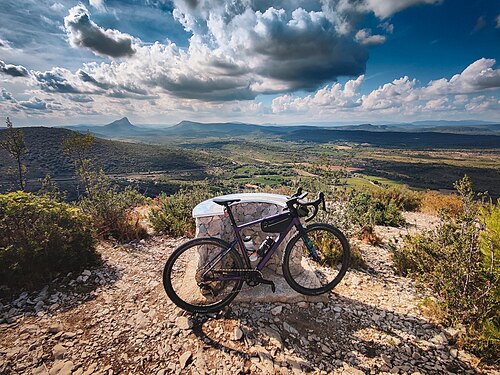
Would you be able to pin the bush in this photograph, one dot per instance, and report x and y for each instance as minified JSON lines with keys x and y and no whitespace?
{"x":41,"y":237}
{"x":404,"y":198}
{"x":358,"y":209}
{"x":459,"y":262}
{"x":435,"y":203}
{"x":112,"y":211}
{"x":173,"y":214}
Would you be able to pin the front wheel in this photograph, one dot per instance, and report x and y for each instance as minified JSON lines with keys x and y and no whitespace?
{"x":316,"y":261}
{"x":203,"y":275}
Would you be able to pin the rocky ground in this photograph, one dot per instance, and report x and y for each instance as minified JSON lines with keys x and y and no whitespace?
{"x":117,"y":319}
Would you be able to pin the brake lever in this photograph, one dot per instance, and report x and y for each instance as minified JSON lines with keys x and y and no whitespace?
{"x":322,"y":197}
{"x":297,"y":193}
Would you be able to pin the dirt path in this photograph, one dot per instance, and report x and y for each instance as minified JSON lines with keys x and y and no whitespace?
{"x":117,"y":319}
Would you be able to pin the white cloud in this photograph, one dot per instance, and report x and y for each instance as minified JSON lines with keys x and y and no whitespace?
{"x":402,"y":96}
{"x":365,"y":37}
{"x":386,"y":8}
{"x":5,"y":44}
{"x":83,"y":32}
{"x":388,"y":27}
{"x":497,"y":22}
{"x":58,"y":7}
{"x":13,"y":70}
{"x":478,"y":76}
{"x":98,"y":4}
{"x":336,"y":97}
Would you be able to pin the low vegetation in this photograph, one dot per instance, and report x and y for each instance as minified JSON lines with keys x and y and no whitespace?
{"x":42,"y":237}
{"x":111,"y":209}
{"x":459,"y":261}
{"x":401,"y":196}
{"x":435,"y":203}
{"x":12,"y":142}
{"x":172,"y":214}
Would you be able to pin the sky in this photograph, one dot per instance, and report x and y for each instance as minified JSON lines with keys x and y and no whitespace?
{"x":256,"y":61}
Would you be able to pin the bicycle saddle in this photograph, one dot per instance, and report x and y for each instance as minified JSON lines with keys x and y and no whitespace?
{"x":225,"y":202}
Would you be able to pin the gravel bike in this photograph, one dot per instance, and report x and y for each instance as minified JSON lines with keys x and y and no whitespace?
{"x":205,"y":274}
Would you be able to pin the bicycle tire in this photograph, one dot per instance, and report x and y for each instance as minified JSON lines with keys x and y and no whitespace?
{"x":188,"y":283}
{"x":334,"y":253}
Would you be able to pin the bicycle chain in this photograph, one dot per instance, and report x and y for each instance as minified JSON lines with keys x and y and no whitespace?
{"x":238,"y":270}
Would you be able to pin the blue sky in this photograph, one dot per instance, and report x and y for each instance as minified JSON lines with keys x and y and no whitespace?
{"x":156,"y":61}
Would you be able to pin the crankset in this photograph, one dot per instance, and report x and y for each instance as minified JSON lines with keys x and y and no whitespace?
{"x":254,"y":277}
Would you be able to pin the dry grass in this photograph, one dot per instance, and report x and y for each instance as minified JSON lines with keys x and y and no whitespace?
{"x":434,"y":203}
{"x":368,"y":235}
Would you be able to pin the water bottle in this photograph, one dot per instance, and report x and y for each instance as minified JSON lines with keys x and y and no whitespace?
{"x":265,"y":245}
{"x":250,"y":248}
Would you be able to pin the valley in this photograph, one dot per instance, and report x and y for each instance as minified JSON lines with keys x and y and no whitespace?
{"x":235,"y":157}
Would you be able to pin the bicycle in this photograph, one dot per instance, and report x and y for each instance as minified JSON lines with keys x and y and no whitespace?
{"x":205,"y":274}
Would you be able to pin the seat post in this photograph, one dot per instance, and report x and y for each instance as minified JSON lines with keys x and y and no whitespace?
{"x":231,"y":217}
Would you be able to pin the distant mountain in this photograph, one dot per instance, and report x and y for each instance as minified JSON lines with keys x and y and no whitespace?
{"x":121,"y":125}
{"x":121,"y":128}
{"x":400,"y":135}
{"x":367,"y":127}
{"x":451,"y":123}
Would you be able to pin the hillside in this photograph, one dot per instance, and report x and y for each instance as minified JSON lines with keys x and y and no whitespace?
{"x":46,"y":155}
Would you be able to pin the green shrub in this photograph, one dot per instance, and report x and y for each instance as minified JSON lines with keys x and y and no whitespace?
{"x":357,"y":209}
{"x":173,"y":214}
{"x":459,"y":261}
{"x":404,"y":198}
{"x":41,"y":237}
{"x":112,"y":211}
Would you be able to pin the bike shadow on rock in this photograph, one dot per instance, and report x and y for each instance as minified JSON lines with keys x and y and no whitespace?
{"x":341,"y":335}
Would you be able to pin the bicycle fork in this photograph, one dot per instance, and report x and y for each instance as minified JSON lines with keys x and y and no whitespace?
{"x":310,"y":247}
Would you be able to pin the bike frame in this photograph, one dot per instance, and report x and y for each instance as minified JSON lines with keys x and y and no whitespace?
{"x":239,"y":240}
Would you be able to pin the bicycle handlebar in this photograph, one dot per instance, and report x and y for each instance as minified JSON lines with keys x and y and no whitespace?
{"x":298,"y":196}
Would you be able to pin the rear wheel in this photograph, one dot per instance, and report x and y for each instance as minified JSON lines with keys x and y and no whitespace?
{"x":191,"y":287}
{"x":315,"y":263}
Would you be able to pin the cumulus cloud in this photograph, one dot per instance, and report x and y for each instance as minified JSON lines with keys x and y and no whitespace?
{"x":83,"y":32}
{"x":386,"y":8}
{"x":56,"y":80}
{"x":13,"y":70}
{"x":337,"y":97}
{"x":391,"y":94}
{"x":364,"y":36}
{"x":403,"y":95}
{"x":497,"y":22}
{"x":478,"y":76}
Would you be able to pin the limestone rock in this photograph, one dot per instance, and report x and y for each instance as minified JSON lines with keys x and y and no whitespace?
{"x":184,"y":358}
{"x":58,"y":351}
{"x":237,"y":334}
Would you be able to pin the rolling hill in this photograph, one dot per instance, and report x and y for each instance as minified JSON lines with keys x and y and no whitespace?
{"x":425,"y":135}
{"x":46,"y":155}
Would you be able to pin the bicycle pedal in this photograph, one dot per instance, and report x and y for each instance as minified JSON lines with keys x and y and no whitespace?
{"x":269,"y":282}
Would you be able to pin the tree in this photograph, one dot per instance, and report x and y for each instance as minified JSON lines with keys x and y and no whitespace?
{"x":78,"y":147}
{"x":13,"y":143}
